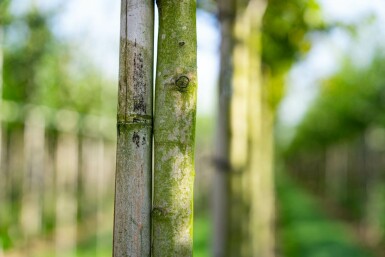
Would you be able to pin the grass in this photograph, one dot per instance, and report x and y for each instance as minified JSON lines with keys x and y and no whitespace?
{"x":101,"y":246}
{"x":306,"y":231}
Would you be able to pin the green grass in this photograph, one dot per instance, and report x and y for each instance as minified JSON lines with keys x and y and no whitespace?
{"x":202,"y":235}
{"x":90,"y":248}
{"x":306,"y":231}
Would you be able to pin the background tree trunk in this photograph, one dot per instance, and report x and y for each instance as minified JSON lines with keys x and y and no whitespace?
{"x":66,"y":191}
{"x":221,"y":192}
{"x":174,"y":129}
{"x":3,"y":193}
{"x":239,"y":202}
{"x":261,"y":154}
{"x":132,"y":222}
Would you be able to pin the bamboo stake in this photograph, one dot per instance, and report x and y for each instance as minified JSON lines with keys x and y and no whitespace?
{"x":132,"y":229}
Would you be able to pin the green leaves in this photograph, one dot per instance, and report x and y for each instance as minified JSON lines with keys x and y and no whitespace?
{"x":349,"y":102}
{"x":285,"y":25}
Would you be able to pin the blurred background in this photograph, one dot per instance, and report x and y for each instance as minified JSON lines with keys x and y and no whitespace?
{"x":58,"y":107}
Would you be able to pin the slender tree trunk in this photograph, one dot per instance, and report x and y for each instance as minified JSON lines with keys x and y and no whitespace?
{"x":254,"y":120}
{"x":239,"y":140}
{"x":2,"y":165}
{"x":260,"y":123}
{"x":221,"y":195}
{"x":174,"y":129}
{"x":132,"y":224}
{"x":66,"y":191}
{"x":34,"y":138}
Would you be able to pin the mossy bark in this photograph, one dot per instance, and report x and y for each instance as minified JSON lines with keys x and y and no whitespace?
{"x":174,"y":129}
{"x":132,"y":221}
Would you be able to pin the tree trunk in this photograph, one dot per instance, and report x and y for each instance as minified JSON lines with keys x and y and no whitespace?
{"x":174,"y":129}
{"x":2,"y":166}
{"x":34,"y":144}
{"x":260,"y":123}
{"x":66,"y":191}
{"x":239,"y":152}
{"x":132,"y":224}
{"x":221,"y":192}
{"x":254,"y":120}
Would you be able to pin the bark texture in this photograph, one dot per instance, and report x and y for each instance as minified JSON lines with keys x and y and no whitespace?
{"x":132,"y":221}
{"x":174,"y":129}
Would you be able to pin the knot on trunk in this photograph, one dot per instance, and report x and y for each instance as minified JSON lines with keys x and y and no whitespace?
{"x":182,"y":82}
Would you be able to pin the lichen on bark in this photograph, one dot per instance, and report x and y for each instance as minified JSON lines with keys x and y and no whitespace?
{"x":132,"y":219}
{"x":174,"y":129}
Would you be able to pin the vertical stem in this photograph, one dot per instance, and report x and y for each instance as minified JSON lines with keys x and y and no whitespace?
{"x":226,"y":10}
{"x":132,"y":225}
{"x":1,"y":95}
{"x":66,"y":201}
{"x":239,"y":141}
{"x":3,"y":174}
{"x":34,"y":137}
{"x":174,"y":129}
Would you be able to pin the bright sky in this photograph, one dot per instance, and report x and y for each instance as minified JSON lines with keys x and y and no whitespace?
{"x":97,"y":31}
{"x":93,"y":27}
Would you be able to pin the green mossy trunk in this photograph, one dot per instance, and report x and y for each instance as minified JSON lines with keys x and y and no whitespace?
{"x":132,"y":221}
{"x":174,"y":129}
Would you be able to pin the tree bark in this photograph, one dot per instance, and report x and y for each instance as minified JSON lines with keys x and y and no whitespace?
{"x":132,"y":223}
{"x":239,"y":153}
{"x":260,"y":133}
{"x":221,"y":191}
{"x":2,"y":168}
{"x":174,"y":129}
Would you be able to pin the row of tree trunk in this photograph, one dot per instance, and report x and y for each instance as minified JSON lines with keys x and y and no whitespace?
{"x":349,"y":177}
{"x":54,"y":182}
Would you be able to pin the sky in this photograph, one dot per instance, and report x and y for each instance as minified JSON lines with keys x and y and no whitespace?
{"x":97,"y":32}
{"x":92,"y":27}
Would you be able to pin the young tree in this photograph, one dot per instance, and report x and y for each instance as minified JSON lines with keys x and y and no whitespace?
{"x":174,"y":129}
{"x":1,"y":83}
{"x":260,"y":134}
{"x":2,"y":195}
{"x":226,"y":13}
{"x":132,"y":222}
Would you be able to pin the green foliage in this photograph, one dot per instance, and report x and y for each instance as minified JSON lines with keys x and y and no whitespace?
{"x":285,"y":26}
{"x":5,"y":16}
{"x":40,"y":69}
{"x":23,"y":60}
{"x":349,"y":102}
